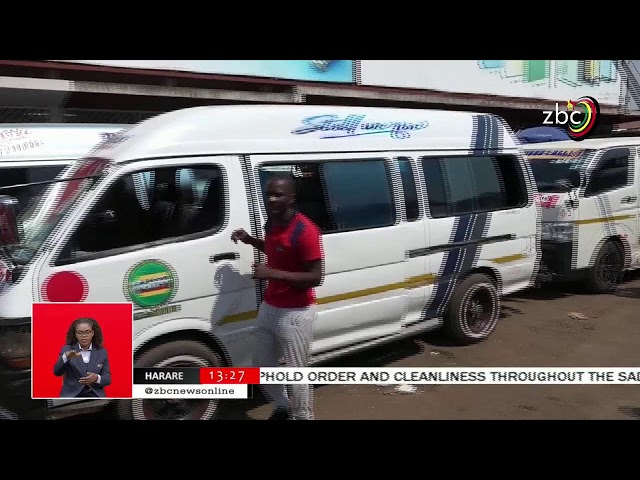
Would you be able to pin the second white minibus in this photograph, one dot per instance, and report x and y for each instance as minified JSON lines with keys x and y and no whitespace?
{"x":36,"y":153}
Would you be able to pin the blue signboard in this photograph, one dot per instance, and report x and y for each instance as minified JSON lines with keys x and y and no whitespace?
{"x":334,"y":71}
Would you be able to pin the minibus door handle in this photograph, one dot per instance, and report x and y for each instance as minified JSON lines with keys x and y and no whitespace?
{"x":224,"y":256}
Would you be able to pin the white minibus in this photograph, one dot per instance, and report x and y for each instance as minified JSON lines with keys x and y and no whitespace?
{"x":428,"y":218}
{"x":588,"y":192}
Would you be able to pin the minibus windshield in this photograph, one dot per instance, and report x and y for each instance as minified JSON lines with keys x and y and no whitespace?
{"x":45,"y":210}
{"x":557,"y":170}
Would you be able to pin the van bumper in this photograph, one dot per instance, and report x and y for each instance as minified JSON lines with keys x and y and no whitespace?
{"x":15,"y":382}
{"x":556,"y":262}
{"x":15,"y":396}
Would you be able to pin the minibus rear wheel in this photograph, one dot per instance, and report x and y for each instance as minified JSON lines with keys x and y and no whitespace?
{"x":474,"y":310}
{"x":178,"y":354}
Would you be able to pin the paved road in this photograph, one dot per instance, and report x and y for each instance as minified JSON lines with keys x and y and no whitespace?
{"x":535,"y":331}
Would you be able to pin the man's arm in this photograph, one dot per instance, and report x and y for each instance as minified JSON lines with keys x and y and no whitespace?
{"x":244,"y":237}
{"x":256,"y":243}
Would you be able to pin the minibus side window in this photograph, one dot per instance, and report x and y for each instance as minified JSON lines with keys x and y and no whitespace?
{"x":342,"y":195}
{"x":360,"y":194}
{"x":612,"y":173}
{"x":409,"y":187}
{"x":152,"y":206}
{"x":311,"y":197}
{"x":464,"y":185}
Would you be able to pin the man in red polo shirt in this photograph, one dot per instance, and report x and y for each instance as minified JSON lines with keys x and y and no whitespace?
{"x":286,"y":318}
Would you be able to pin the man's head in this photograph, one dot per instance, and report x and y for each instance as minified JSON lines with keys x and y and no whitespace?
{"x":281,"y":196}
{"x":85,"y":331}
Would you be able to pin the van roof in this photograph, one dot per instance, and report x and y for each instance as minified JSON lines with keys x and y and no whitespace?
{"x":281,"y":129}
{"x":589,"y":143}
{"x":25,"y":142}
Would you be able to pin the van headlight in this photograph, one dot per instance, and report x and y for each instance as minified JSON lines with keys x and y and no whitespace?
{"x":557,"y":231}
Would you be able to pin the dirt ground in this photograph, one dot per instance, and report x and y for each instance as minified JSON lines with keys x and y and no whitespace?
{"x":535,"y":331}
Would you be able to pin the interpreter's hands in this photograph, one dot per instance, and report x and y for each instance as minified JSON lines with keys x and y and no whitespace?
{"x":71,"y":353}
{"x":89,"y":379}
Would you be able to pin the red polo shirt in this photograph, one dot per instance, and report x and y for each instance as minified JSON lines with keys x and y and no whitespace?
{"x":288,"y":248}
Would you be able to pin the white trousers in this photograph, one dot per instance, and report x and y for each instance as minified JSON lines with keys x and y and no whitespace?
{"x":286,"y":333}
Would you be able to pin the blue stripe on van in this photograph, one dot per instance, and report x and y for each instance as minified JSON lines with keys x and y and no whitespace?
{"x":458,"y":261}
{"x":486,"y":135}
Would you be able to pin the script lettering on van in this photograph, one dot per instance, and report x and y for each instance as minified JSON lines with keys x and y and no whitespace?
{"x":335,"y":126}
{"x":8,"y":135}
{"x":556,"y":154}
{"x":111,"y":140}
{"x":106,"y":135}
{"x":14,"y":140}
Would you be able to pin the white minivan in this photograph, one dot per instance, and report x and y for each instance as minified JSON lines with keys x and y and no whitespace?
{"x":588,"y":192}
{"x":31,"y":154}
{"x":428,"y":218}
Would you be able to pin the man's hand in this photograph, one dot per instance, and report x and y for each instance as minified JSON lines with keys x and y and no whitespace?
{"x":262,"y":272}
{"x":71,"y":353}
{"x":241,"y":235}
{"x":90,"y":379}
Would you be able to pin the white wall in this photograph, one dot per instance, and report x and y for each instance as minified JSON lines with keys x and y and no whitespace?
{"x":558,"y":80}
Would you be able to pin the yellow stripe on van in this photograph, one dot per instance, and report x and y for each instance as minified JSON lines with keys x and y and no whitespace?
{"x":412,"y":282}
{"x":508,"y":258}
{"x":602,"y":220}
{"x":153,"y":293}
{"x":151,"y":276}
{"x":239,"y":317}
{"x":420,"y":281}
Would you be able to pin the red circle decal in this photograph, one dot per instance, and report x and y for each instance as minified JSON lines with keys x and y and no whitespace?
{"x":65,"y":287}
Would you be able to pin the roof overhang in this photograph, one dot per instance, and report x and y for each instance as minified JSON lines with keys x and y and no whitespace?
{"x":45,"y":92}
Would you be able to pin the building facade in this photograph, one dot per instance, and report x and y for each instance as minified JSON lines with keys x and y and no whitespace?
{"x":128,"y":91}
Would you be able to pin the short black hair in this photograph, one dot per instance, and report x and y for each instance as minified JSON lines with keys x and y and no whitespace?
{"x":287,"y":178}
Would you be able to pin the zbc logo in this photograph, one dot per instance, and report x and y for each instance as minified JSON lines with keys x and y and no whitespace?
{"x":579,"y":119}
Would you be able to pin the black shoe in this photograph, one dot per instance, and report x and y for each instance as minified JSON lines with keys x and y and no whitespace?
{"x":280,"y":414}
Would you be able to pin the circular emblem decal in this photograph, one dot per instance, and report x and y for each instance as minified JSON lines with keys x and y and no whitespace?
{"x":151,"y":283}
{"x":65,"y":287}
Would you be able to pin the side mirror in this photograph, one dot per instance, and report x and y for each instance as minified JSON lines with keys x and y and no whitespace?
{"x":9,"y":231}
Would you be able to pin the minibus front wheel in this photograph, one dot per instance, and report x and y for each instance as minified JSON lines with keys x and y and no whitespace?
{"x":606,"y":273}
{"x":474,"y":309}
{"x":177,"y":354}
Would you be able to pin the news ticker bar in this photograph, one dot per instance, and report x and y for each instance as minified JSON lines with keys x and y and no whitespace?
{"x":234,"y":377}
